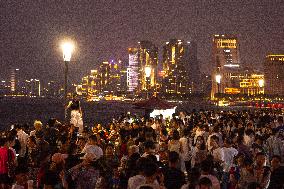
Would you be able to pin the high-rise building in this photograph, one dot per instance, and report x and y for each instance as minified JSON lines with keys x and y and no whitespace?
{"x":105,"y":76}
{"x":274,"y":74}
{"x":114,"y":84}
{"x":142,"y":67}
{"x":132,"y":70}
{"x":33,"y":88}
{"x":94,"y":86}
{"x":176,"y":58}
{"x":226,"y":64}
{"x":148,"y":62}
{"x":14,"y":80}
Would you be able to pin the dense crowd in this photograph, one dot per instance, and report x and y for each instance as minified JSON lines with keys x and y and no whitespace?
{"x":194,"y":150}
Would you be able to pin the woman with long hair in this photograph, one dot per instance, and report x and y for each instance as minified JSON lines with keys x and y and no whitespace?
{"x":199,"y":151}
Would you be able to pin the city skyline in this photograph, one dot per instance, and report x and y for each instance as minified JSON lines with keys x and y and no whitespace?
{"x":31,"y":32}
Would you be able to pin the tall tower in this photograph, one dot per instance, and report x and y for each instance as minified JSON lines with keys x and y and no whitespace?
{"x":148,"y":62}
{"x":14,"y":80}
{"x":142,"y":67}
{"x":132,"y":70}
{"x":226,"y":63}
{"x":105,"y":76}
{"x":274,"y":74}
{"x":175,"y":60}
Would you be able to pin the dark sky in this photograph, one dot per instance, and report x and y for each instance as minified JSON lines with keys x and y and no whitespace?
{"x":31,"y":30}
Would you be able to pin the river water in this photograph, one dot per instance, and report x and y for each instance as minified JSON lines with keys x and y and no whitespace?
{"x":26,"y":110}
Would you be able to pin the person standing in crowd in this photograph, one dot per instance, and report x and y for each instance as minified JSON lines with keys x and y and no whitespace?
{"x":22,"y":137}
{"x":229,"y":153}
{"x":277,"y":172}
{"x":186,"y":143}
{"x":92,"y":147}
{"x":5,"y":153}
{"x":206,"y":170}
{"x":199,"y":152}
{"x":174,"y":178}
{"x":76,"y":113}
{"x":37,"y":126}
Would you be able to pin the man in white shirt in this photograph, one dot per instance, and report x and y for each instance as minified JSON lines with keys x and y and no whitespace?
{"x":22,"y":137}
{"x":228,"y":160}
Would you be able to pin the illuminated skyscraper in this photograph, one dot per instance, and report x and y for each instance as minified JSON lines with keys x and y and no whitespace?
{"x":105,"y":76}
{"x":142,"y":67}
{"x":226,"y":63}
{"x":148,"y":62}
{"x":175,"y":60}
{"x":132,"y":70}
{"x":274,"y":74}
{"x":14,"y":80}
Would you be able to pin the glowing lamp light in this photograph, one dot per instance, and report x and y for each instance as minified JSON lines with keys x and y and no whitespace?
{"x":148,"y":71}
{"x":261,"y":83}
{"x":67,"y":48}
{"x":218,"y":78}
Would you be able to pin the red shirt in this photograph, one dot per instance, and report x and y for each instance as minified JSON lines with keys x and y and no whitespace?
{"x":4,"y":159}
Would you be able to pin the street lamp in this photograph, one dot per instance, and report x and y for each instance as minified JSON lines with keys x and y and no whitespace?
{"x":218,"y":81}
{"x":148,"y":71}
{"x":261,"y":83}
{"x":67,"y":48}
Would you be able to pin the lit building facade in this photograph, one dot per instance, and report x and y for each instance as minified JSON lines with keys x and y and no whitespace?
{"x":226,"y":63}
{"x":148,"y":62}
{"x":14,"y":80}
{"x":105,"y":76}
{"x":114,"y":85}
{"x":252,"y":85}
{"x":274,"y":74}
{"x":33,"y":88}
{"x":175,"y":76}
{"x":133,"y":70}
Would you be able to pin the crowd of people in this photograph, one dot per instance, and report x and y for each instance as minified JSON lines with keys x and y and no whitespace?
{"x":192,"y":150}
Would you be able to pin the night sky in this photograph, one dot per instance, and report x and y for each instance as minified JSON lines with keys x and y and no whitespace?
{"x":31,"y":30}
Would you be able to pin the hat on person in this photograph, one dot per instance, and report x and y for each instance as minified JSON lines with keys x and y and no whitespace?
{"x":90,"y":157}
{"x":59,"y":158}
{"x":92,"y":152}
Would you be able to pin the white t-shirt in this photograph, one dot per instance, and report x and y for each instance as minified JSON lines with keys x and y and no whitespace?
{"x":228,"y":158}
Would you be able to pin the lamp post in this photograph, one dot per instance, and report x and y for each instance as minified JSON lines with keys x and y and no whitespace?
{"x":148,"y":71}
{"x":67,"y":48}
{"x":218,"y":81}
